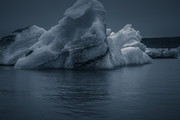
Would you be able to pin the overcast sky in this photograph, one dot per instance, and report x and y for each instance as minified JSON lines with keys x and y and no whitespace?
{"x":153,"y":18}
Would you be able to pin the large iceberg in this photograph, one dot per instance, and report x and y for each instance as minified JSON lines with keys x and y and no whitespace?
{"x":78,"y":39}
{"x":81,"y":40}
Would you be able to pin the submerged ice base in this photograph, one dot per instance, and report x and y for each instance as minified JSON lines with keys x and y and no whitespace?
{"x":81,"y":40}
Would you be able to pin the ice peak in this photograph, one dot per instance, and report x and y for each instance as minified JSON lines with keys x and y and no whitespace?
{"x":82,"y":6}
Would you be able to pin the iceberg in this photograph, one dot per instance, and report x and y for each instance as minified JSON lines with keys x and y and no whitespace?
{"x":124,"y":49}
{"x":162,"y":52}
{"x":79,"y":41}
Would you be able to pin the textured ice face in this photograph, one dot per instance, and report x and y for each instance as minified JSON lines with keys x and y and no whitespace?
{"x":16,"y":45}
{"x":78,"y":39}
{"x":135,"y":56}
{"x":127,"y":35}
{"x":125,"y":48}
{"x":82,"y":6}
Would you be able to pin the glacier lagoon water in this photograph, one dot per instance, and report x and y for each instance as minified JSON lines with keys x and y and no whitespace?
{"x":149,"y":92}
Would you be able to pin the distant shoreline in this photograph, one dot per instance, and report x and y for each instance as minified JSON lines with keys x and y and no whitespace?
{"x":162,"y":42}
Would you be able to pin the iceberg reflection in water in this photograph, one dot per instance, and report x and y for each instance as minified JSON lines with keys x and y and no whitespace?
{"x":139,"y":92}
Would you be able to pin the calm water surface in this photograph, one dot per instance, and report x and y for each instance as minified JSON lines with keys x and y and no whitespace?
{"x":149,"y":92}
